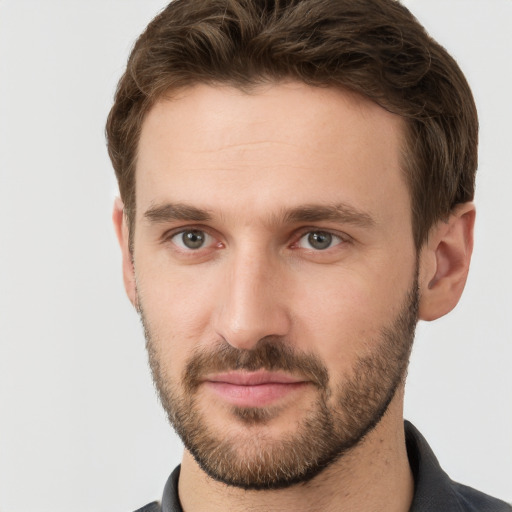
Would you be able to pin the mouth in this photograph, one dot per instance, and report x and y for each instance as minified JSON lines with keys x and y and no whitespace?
{"x":253,"y":389}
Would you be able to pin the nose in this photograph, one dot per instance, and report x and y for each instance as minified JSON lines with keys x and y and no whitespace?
{"x":252,"y":302}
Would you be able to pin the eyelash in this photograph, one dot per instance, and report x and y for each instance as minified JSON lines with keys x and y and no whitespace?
{"x":332,"y":238}
{"x":336,"y":238}
{"x":171,"y":236}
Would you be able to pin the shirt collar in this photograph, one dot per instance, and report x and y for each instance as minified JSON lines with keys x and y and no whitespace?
{"x":433,"y":489}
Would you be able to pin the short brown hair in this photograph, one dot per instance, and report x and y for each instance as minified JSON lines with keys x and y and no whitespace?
{"x":376,"y":48}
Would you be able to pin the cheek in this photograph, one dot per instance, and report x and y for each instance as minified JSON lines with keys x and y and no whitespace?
{"x":177,"y":307}
{"x":333,"y":324}
{"x":340,"y":316}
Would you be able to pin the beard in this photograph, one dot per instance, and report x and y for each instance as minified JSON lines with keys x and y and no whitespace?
{"x":339,"y":419}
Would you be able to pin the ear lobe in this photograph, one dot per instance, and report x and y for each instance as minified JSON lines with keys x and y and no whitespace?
{"x":121,"y":227}
{"x":444,"y":262}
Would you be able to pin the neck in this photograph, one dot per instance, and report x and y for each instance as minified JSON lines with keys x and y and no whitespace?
{"x":375,"y":475}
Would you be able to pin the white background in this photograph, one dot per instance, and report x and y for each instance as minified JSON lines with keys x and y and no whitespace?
{"x":80,"y":426}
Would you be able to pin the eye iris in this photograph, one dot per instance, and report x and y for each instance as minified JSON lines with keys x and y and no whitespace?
{"x":320,"y":239}
{"x":193,"y":239}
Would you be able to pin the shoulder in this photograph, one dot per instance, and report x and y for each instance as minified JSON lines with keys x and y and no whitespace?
{"x":471,"y":500}
{"x":434,"y":489}
{"x":151,"y":507}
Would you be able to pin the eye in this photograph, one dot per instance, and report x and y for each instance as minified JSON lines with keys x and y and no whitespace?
{"x":318,"y":240}
{"x":192,"y":239}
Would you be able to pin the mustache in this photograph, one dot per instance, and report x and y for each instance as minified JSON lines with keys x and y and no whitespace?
{"x":270,"y":353}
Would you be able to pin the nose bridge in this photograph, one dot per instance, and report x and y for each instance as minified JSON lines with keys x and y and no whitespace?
{"x":251,"y":307}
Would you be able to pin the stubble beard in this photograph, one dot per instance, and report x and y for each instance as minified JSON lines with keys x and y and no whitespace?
{"x":338,"y":421}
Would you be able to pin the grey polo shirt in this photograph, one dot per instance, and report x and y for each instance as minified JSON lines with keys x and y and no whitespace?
{"x":433,"y":489}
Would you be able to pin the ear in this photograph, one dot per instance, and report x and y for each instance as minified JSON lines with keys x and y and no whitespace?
{"x":122,"y":232}
{"x":444,"y":262}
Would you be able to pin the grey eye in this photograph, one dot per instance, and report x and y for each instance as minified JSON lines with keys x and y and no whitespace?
{"x":318,"y":240}
{"x":191,"y":239}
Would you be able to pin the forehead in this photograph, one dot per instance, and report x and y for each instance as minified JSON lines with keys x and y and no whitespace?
{"x":280,"y":145}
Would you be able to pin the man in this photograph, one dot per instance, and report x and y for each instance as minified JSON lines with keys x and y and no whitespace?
{"x":296,"y":186}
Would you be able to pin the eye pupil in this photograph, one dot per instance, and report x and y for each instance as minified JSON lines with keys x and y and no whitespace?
{"x":320,"y":239}
{"x":193,"y":239}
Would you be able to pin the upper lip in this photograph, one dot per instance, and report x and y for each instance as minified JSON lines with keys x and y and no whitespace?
{"x":241,"y":378}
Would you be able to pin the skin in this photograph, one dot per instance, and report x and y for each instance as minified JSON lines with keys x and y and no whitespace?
{"x":245,"y":159}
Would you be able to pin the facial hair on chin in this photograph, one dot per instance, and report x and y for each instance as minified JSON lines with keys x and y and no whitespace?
{"x":337,"y":421}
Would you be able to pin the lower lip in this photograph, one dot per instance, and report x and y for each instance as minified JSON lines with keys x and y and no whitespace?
{"x":256,"y":395}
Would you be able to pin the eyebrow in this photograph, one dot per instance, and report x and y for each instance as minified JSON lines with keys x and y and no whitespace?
{"x":341,"y":213}
{"x":176,"y":211}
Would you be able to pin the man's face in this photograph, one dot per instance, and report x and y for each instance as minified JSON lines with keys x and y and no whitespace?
{"x":275,"y":274}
